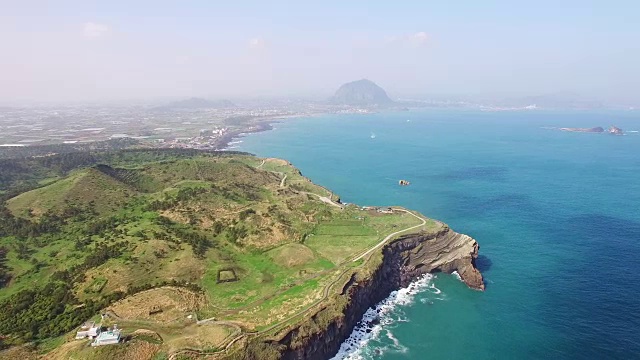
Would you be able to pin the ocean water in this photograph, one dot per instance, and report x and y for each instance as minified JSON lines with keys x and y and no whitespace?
{"x":557,"y":216}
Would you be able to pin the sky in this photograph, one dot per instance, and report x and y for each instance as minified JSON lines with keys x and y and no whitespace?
{"x":118,"y":50}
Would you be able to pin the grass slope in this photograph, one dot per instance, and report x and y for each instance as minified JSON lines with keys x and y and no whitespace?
{"x":81,"y":187}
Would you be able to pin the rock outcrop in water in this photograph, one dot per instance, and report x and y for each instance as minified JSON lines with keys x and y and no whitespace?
{"x":403,"y":261}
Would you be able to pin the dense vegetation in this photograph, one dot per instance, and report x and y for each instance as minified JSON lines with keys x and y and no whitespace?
{"x":5,"y":271}
{"x":54,"y":308}
{"x":21,"y":171}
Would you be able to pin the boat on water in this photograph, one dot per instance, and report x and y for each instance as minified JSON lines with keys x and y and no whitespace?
{"x":403,"y":183}
{"x":373,"y":136}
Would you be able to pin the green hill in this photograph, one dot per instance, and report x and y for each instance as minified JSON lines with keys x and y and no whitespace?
{"x":82,"y":188}
{"x":159,"y":239}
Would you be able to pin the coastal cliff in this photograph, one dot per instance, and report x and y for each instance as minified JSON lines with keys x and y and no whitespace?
{"x":403,"y":260}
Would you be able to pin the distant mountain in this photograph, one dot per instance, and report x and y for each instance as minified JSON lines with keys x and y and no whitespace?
{"x":198,"y":103}
{"x":361,"y":92}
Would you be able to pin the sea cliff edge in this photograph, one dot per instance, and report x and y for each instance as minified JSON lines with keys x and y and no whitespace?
{"x":403,"y":260}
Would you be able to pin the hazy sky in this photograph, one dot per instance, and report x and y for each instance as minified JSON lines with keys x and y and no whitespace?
{"x":90,"y":50}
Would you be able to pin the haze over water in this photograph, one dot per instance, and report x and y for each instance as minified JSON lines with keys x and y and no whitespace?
{"x":556,"y":215}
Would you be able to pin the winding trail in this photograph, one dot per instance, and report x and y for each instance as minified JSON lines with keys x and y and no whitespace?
{"x":424,"y":222}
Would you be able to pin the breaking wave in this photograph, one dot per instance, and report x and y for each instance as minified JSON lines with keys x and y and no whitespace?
{"x":376,"y":321}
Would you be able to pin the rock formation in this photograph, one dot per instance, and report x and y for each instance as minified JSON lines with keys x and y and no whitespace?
{"x":448,"y":251}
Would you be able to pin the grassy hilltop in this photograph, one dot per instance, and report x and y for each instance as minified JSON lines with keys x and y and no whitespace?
{"x":183,"y":250}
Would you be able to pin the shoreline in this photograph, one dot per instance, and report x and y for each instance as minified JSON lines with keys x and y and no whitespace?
{"x":258,"y":126}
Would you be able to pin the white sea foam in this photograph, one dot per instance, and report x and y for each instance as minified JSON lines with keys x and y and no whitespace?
{"x":430,"y":301}
{"x":455,"y":273}
{"x":396,"y":343}
{"x":235,"y":142}
{"x":434,"y":289}
{"x":377,"y":318}
{"x":437,"y":295}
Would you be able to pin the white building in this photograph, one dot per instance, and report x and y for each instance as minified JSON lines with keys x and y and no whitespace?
{"x":88,"y":330}
{"x":111,"y":336}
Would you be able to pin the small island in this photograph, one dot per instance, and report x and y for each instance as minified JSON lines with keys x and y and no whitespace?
{"x":613,"y":130}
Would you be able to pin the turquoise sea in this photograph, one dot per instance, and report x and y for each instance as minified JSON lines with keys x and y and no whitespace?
{"x":557,"y":216}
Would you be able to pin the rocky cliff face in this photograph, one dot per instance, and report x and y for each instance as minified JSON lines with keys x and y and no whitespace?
{"x":403,"y":261}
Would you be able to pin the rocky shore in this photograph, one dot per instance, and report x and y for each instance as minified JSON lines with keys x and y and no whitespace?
{"x":403,"y":261}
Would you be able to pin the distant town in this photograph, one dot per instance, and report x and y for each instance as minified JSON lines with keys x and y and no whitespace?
{"x":201,"y":127}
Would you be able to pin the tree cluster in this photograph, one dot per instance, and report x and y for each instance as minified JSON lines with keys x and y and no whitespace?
{"x":5,"y":271}
{"x":199,"y":242}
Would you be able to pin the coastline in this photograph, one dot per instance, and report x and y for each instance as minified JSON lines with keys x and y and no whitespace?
{"x":398,"y":263}
{"x":320,"y":334}
{"x":223,"y":143}
{"x":260,"y":125}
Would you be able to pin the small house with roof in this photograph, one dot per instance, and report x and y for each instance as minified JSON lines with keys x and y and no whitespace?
{"x":108,"y":337}
{"x":88,"y":330}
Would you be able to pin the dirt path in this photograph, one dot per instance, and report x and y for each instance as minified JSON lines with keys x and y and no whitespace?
{"x":325,"y":199}
{"x":424,"y":222}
